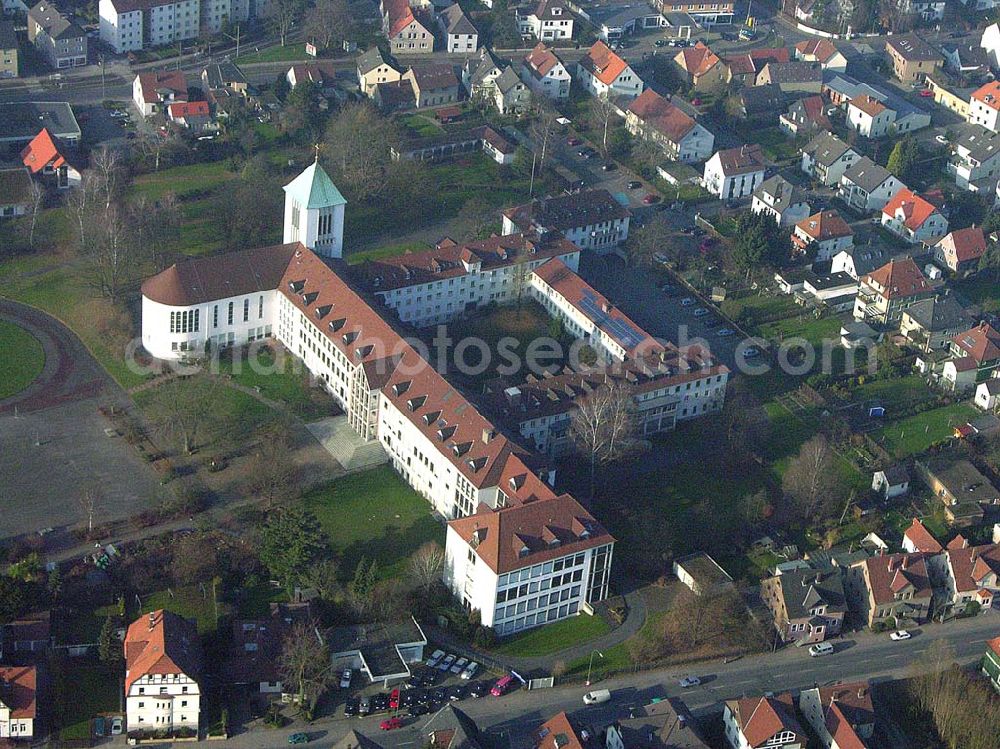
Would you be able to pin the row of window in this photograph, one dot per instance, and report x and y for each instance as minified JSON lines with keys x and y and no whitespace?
{"x":546,"y":568}
{"x":185,"y":321}
{"x":533,"y":604}
{"x":531,"y":620}
{"x":536,"y":586}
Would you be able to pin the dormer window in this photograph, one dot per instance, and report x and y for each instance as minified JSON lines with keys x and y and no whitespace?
{"x":477,"y":464}
{"x":363,"y":351}
{"x":400,"y":387}
{"x":414,"y":403}
{"x":461,"y":449}
{"x":323,"y":311}
{"x":296,"y":286}
{"x":337,"y":324}
{"x":445,"y":433}
{"x":311,"y":297}
{"x":351,"y":337}
{"x":431,"y":417}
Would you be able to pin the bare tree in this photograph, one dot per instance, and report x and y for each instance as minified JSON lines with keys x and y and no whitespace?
{"x":89,"y":501}
{"x":604,"y":427}
{"x":36,"y":202}
{"x":328,"y":21}
{"x":305,"y":664}
{"x":811,"y":480}
{"x":520,"y":277}
{"x":108,"y":166}
{"x":323,"y":576}
{"x":361,"y":140}
{"x":426,"y":565}
{"x":651,"y":238}
{"x":602,"y":110}
{"x":473,"y":220}
{"x":110,"y":250}
{"x":271,"y":473}
{"x":183,"y":414}
{"x":745,"y":422}
{"x":283,"y":14}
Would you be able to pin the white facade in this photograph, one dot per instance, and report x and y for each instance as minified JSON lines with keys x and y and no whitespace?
{"x":870,"y":126}
{"x":988,"y":395}
{"x":600,"y":237}
{"x":314,"y":213}
{"x":860,"y":199}
{"x":929,"y":231}
{"x":163,"y":702}
{"x":134,"y":26}
{"x":991,"y":41}
{"x":985,"y":113}
{"x":121,"y":31}
{"x":556,"y":23}
{"x":554,"y":84}
{"x":783,"y":215}
{"x":575,"y":321}
{"x":782,"y":739}
{"x":626,"y":83}
{"x":730,"y":186}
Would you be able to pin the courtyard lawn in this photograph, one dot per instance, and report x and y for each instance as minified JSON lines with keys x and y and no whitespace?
{"x":806,"y":326}
{"x":22,"y":361}
{"x":83,"y":688}
{"x":186,"y":181}
{"x":554,"y":637}
{"x":375,"y":515}
{"x":285,"y":381}
{"x":752,"y":307}
{"x":189,"y":602}
{"x":420,"y":125}
{"x":894,"y":393}
{"x":914,"y":435}
{"x":391,"y":250}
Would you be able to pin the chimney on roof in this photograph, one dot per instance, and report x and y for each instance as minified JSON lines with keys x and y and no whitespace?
{"x":152,"y":620}
{"x":488,"y":435}
{"x":606,"y":306}
{"x":862,"y":692}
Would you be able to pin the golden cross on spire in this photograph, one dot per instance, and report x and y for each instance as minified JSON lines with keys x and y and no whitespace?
{"x":316,"y":146}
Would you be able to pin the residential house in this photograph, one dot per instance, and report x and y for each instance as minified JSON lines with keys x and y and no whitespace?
{"x":990,"y":42}
{"x":826,"y":157}
{"x":962,"y":489}
{"x":450,"y":728}
{"x":153,"y":92}
{"x":18,"y":702}
{"x":805,"y":116}
{"x":321,"y":74}
{"x":662,"y":724}
{"x":744,"y":67}
{"x":984,"y":106}
{"x":991,"y":659}
{"x":61,"y":41}
{"x":892,"y":482}
{"x":972,"y":575}
{"x":702,"y":574}
{"x":860,"y":260}
{"x":822,"y":51}
{"x":9,"y":50}
{"x":16,"y":192}
{"x":408,"y":29}
{"x":702,"y":68}
{"x":841,"y":89}
{"x":603,"y":73}
{"x":734,"y":173}
{"x":656,"y":119}
{"x":460,"y":35}
{"x":31,"y":633}
{"x":704,"y":14}
{"x":193,"y":115}
{"x":225,"y":87}
{"x":891,"y":589}
{"x":824,"y":233}
{"x":917,"y":539}
{"x":866,"y":186}
{"x":255,"y":649}
{"x":781,"y":200}
{"x":914,"y":218}
{"x":988,"y":394}
{"x":762,"y":104}
{"x":479,"y":75}
{"x":965,"y":59}
{"x":43,"y":156}
{"x":980,"y":347}
{"x":393,"y":95}
{"x":511,"y":94}
{"x":912,"y":58}
{"x":549,"y":20}
{"x":806,"y":605}
{"x":794,"y":78}
{"x":555,"y":543}
{"x":590,"y":219}
{"x":433,"y":85}
{"x":374,"y":69}
{"x":930,"y":324}
{"x":950,"y":93}
{"x":757,"y":722}
{"x":975,"y":158}
{"x":887,"y":291}
{"x":545,"y":73}
{"x":162,"y":672}
{"x":869,"y":117}
{"x":961,"y":249}
{"x":842,"y":716}
{"x":836,"y":291}
{"x":559,"y":732}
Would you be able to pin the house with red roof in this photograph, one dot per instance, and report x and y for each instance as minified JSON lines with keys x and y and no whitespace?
{"x":744,"y":67}
{"x":805,"y":115}
{"x":869,"y":117}
{"x":154,"y":91}
{"x":973,"y":575}
{"x":194,"y":115}
{"x":991,"y":662}
{"x":603,"y":73}
{"x":975,"y":357}
{"x":887,"y":291}
{"x":825,"y":232}
{"x":545,"y":73}
{"x":734,"y":173}
{"x":960,"y":250}
{"x":822,"y":51}
{"x":44,"y":156}
{"x":702,"y":68}
{"x":162,"y":672}
{"x":681,"y":137}
{"x":757,"y":722}
{"x":917,"y":538}
{"x":914,"y":218}
{"x":409,"y":30}
{"x":891,"y":589}
{"x":984,"y":106}
{"x":842,"y":716}
{"x":18,"y":702}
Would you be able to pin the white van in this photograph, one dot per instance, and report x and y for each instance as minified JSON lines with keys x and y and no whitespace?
{"x":820,"y":648}
{"x":596,"y":697}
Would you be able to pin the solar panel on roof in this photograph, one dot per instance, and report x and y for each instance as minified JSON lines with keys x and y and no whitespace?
{"x":625,"y":333}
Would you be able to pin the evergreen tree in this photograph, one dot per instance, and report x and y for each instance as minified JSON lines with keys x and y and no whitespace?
{"x":903,"y":159}
{"x":109,"y":647}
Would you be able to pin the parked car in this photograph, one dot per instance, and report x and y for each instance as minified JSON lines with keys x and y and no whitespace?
{"x":690,"y":681}
{"x":438,"y":696}
{"x":479,"y":689}
{"x":459,"y":665}
{"x":596,"y":697}
{"x":608,"y":166}
{"x":585,"y":152}
{"x":394,"y":699}
{"x":698,"y":232}
{"x":446,"y":663}
{"x":380,"y":703}
{"x":364,"y":707}
{"x":298,"y":738}
{"x":687,"y":301}
{"x":700,"y":312}
{"x":724,"y":332}
{"x":435,"y":658}
{"x":900,"y":634}
{"x":634,"y":184}
{"x":352,"y":706}
{"x":651,"y":198}
{"x":573,"y":141}
{"x":458,"y":692}
{"x":116,"y":726}
{"x":391,"y":724}
{"x":659,"y":257}
{"x":925,"y":93}
{"x":820,"y":648}
{"x":659,"y":42}
{"x":345,"y":679}
{"x":470,"y":670}
{"x":429,"y":678}
{"x":728,"y":36}
{"x":751,"y":352}
{"x":417,"y":710}
{"x":943,"y":140}
{"x":503,"y":686}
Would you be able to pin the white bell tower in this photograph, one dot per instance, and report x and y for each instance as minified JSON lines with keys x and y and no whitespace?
{"x":314,"y":212}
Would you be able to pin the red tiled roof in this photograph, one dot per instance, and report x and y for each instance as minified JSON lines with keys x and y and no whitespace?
{"x":400,"y":16}
{"x":825,"y":225}
{"x":854,"y":700}
{"x":815,"y":110}
{"x":970,"y":565}
{"x":182,"y":109}
{"x":19,"y":690}
{"x":821,"y":49}
{"x":541,"y":60}
{"x":755,"y":60}
{"x":741,"y":160}
{"x":868,"y":104}
{"x":545,"y":737}
{"x":989,"y":94}
{"x":981,"y":343}
{"x":526,"y":534}
{"x":969,"y":244}
{"x":664,"y":116}
{"x":921,"y":538}
{"x":603,"y":64}
{"x":898,"y":278}
{"x":166,"y":80}
{"x":760,"y":718}
{"x":41,"y":152}
{"x":161,"y":642}
{"x":841,"y":730}
{"x":697,"y":60}
{"x":914,"y":209}
{"x":994,"y":645}
{"x":891,"y":573}
{"x":958,"y":542}
{"x":316,"y":72}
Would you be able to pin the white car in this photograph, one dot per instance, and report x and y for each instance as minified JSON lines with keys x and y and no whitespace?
{"x":690,"y":681}
{"x":470,"y":670}
{"x":345,"y":679}
{"x":435,"y":659}
{"x":459,"y":665}
{"x":900,"y":634}
{"x":943,"y":140}
{"x":446,"y":663}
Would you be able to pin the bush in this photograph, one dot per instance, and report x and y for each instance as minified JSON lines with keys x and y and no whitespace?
{"x":486,"y":638}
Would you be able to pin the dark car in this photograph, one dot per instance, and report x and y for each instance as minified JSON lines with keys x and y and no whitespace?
{"x":439,"y":695}
{"x":699,"y":232}
{"x":688,"y":230}
{"x":634,"y":184}
{"x":479,"y":689}
{"x":728,"y":36}
{"x":380,"y":702}
{"x":418,"y":709}
{"x":351,"y":706}
{"x":457,"y":692}
{"x":428,"y":678}
{"x":609,"y":166}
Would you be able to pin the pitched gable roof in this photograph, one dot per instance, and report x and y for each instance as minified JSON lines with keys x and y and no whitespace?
{"x":898,"y":279}
{"x":988,"y":94}
{"x":41,"y":152}
{"x":165,"y":81}
{"x":603,"y":64}
{"x":697,"y":60}
{"x":761,"y":718}
{"x":913,"y":209}
{"x":662,"y":115}
{"x":981,"y":343}
{"x":825,"y":225}
{"x":921,"y":538}
{"x":890,"y":574}
{"x":741,"y":160}
{"x":19,"y":690}
{"x":866,"y":174}
{"x":821,"y":49}
{"x":161,"y":642}
{"x":456,"y":22}
{"x":969,"y":244}
{"x":868,"y":104}
{"x":541,"y":60}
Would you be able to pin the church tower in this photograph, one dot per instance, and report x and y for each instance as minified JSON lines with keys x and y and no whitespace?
{"x":314,"y":212}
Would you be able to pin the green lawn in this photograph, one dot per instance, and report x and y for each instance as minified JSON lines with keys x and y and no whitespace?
{"x":894,"y":393}
{"x":375,"y":515}
{"x":184,"y":181}
{"x":554,"y":637}
{"x":752,"y":307}
{"x":76,"y":626}
{"x":982,"y":290}
{"x":288,"y":53}
{"x":816,"y":331}
{"x":189,"y":602}
{"x":390,"y":250}
{"x":420,"y":125}
{"x":22,"y":361}
{"x":83,"y":688}
{"x":285,"y":382}
{"x":917,"y":433}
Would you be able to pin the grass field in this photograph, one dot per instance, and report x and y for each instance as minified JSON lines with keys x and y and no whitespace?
{"x":816,"y":331}
{"x":84,"y":687}
{"x":285,"y":382}
{"x":189,"y":602}
{"x":917,"y":433}
{"x":752,"y":306}
{"x":22,"y":361}
{"x":420,"y":125}
{"x":374,"y":515}
{"x":894,"y":393}
{"x":554,"y":637}
{"x":288,"y":53}
{"x":391,"y":250}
